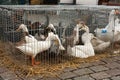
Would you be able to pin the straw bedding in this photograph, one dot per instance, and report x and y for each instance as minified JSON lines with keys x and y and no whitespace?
{"x":52,"y":66}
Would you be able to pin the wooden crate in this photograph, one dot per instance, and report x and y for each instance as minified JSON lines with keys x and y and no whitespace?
{"x":36,"y":2}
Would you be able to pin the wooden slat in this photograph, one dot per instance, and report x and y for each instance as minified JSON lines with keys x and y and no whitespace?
{"x":113,"y":4}
{"x":36,"y":2}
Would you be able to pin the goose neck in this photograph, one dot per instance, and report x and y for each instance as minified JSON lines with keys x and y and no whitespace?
{"x":87,"y":42}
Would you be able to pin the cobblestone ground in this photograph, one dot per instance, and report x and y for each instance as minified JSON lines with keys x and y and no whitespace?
{"x":104,"y":69}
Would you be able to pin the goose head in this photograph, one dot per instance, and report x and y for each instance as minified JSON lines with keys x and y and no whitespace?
{"x":80,"y":25}
{"x":51,"y":28}
{"x":116,"y":11}
{"x":22,"y":27}
{"x":83,"y":27}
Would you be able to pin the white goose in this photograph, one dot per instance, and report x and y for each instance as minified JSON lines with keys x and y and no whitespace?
{"x":98,"y":44}
{"x":52,"y":29}
{"x":78,"y":27}
{"x":83,"y":51}
{"x":74,"y":38}
{"x":106,"y":34}
{"x":33,"y":48}
{"x":28,"y":38}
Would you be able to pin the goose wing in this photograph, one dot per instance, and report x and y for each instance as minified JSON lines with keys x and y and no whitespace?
{"x":26,"y":50}
{"x":78,"y":53}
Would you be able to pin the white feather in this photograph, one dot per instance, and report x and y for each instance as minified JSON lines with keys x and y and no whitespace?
{"x":32,"y":49}
{"x":36,"y":47}
{"x":83,"y":51}
{"x":99,"y":45}
{"x":30,"y":39}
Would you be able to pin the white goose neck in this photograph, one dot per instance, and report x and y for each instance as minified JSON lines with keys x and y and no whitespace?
{"x":88,"y":43}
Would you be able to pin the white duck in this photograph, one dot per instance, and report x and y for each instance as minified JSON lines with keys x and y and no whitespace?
{"x":28,"y":38}
{"x":33,"y":48}
{"x":74,"y":38}
{"x":106,"y":34}
{"x":83,"y":51}
{"x":52,"y":29}
{"x":98,"y":44}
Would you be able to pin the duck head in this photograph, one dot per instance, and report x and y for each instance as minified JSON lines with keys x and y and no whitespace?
{"x":82,"y":26}
{"x":51,"y":28}
{"x":116,"y":11}
{"x":22,"y":27}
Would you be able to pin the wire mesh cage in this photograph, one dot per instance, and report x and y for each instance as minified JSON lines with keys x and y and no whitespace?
{"x":55,"y":35}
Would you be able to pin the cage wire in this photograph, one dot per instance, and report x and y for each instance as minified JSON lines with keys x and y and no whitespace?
{"x":37,"y":18}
